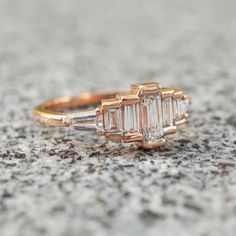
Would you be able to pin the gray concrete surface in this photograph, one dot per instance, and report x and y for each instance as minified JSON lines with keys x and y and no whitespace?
{"x":62,"y":182}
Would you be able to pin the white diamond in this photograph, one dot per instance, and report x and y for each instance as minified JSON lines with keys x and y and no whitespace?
{"x":167,"y":109}
{"x":99,"y":122}
{"x":152,"y":118}
{"x":176,"y":108}
{"x":184,"y":106}
{"x":112,"y":120}
{"x":131,"y":118}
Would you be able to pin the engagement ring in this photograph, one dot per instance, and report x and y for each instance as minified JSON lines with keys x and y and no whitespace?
{"x":145,"y":114}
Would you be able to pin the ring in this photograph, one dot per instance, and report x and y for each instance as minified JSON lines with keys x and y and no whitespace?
{"x":145,"y":114}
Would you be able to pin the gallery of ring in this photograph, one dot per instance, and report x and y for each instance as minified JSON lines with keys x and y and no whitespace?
{"x":145,"y":114}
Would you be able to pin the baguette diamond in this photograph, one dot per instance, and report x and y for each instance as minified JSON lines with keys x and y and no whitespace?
{"x":167,"y":110}
{"x":112,"y":120}
{"x":144,"y":115}
{"x":176,"y":108}
{"x":152,"y":118}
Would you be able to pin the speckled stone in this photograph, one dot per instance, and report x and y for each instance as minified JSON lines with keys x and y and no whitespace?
{"x":62,"y":182}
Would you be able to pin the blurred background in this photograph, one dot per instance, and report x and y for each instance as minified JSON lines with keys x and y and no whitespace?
{"x":51,"y":48}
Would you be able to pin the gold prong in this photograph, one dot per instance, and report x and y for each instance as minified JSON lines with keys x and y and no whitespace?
{"x":99,"y":110}
{"x":180,"y":122}
{"x":178,"y":93}
{"x":170,"y":130}
{"x":114,"y":137}
{"x":145,"y":88}
{"x":135,"y":137}
{"x":100,"y":133}
{"x":130,"y":99}
{"x":167,"y":92}
{"x":111,"y":103}
{"x":152,"y":144}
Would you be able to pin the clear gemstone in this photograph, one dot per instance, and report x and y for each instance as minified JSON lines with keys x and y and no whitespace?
{"x":167,"y":109}
{"x":184,"y":106}
{"x":131,"y":118}
{"x":112,"y":120}
{"x":176,"y":108}
{"x":99,"y":122}
{"x":85,"y":120}
{"x":152,"y":118}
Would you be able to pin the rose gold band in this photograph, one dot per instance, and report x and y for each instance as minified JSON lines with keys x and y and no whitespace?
{"x":51,"y":112}
{"x":144,"y":114}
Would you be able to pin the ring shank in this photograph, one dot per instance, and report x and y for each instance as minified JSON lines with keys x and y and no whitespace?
{"x":51,"y":112}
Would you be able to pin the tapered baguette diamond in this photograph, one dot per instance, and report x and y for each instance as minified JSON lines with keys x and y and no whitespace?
{"x":152,"y":118}
{"x":131,"y":118}
{"x":112,"y":120}
{"x":167,"y":110}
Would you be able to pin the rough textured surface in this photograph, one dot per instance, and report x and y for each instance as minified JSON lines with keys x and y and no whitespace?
{"x":62,"y":182}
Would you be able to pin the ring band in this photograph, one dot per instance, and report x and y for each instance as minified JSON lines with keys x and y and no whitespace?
{"x":145,"y":114}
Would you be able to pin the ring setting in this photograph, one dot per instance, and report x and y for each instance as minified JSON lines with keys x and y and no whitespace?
{"x":145,"y":114}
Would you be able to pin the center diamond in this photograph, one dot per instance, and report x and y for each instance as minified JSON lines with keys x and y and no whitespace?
{"x":152,"y":118}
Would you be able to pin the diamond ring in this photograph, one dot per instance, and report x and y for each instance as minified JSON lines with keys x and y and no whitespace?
{"x":145,"y":114}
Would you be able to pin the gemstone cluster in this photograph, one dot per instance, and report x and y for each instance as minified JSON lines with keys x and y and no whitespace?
{"x":145,"y":115}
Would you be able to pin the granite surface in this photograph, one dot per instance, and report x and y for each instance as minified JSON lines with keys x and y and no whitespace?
{"x":63,"y":182}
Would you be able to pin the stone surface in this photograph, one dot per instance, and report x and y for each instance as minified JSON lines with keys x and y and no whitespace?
{"x":63,"y":182}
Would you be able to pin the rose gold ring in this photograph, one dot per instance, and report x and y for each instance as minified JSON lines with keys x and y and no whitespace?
{"x":145,"y":114}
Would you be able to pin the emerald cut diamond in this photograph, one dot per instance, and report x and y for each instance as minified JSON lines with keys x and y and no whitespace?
{"x":152,"y":118}
{"x":131,"y":118}
{"x":112,"y":120}
{"x":167,"y":110}
{"x":176,"y":109}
